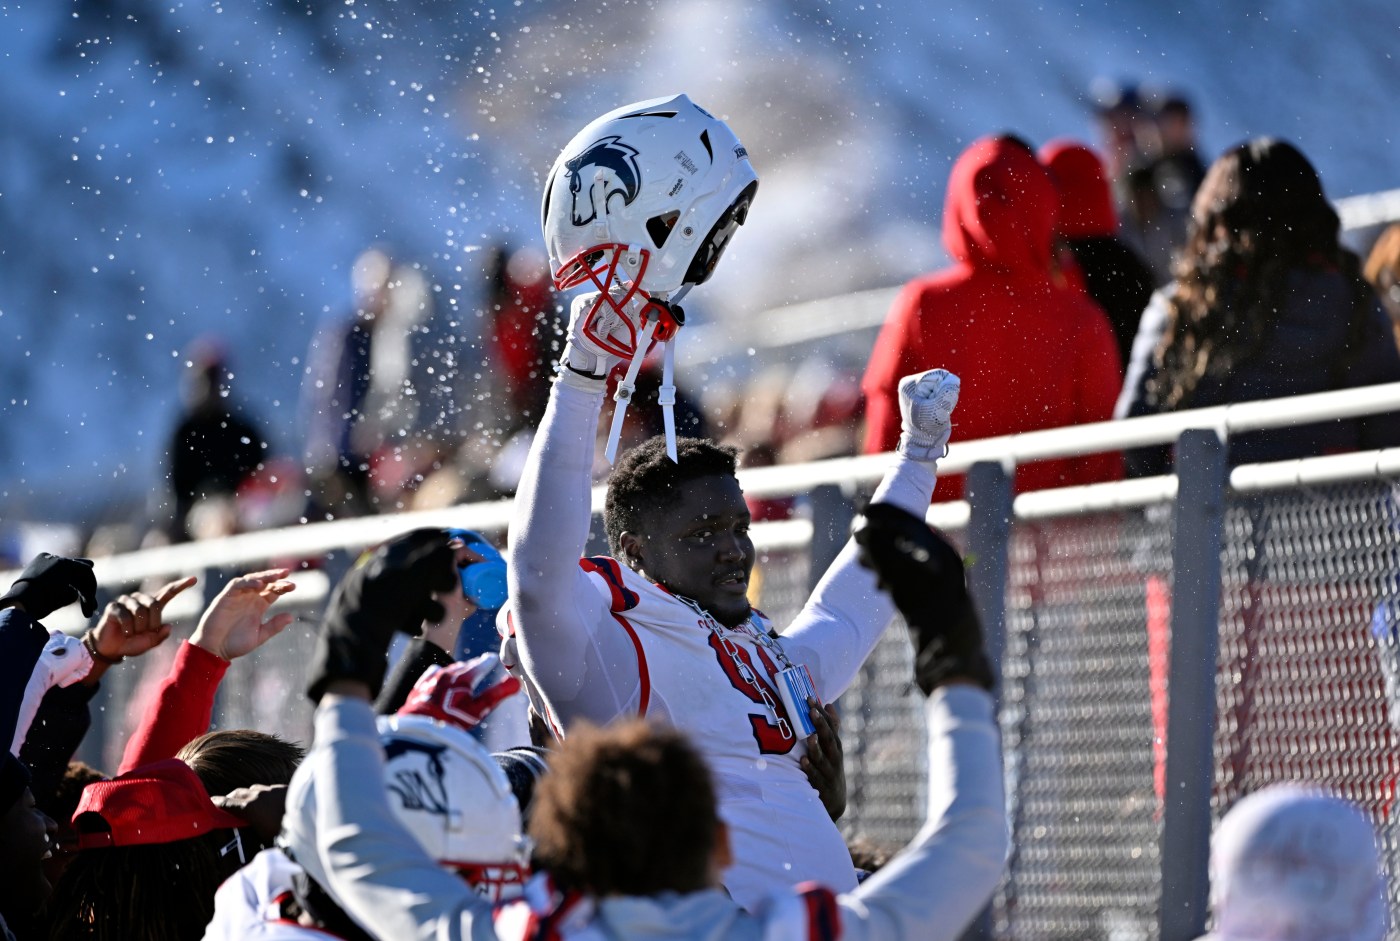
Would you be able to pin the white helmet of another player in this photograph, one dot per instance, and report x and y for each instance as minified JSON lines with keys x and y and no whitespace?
{"x":456,"y":801}
{"x":645,"y":199}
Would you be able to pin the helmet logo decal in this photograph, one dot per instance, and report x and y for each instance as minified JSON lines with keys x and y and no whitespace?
{"x":618,"y":176}
{"x":424,"y":787}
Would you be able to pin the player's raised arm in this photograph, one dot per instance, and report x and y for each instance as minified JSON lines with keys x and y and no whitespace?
{"x":839,"y":625}
{"x":935,"y":887}
{"x":553,"y":610}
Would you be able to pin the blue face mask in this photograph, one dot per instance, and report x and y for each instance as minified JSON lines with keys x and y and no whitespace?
{"x":484,"y":582}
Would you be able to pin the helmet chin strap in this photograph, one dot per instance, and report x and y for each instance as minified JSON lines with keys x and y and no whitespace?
{"x":666,"y":395}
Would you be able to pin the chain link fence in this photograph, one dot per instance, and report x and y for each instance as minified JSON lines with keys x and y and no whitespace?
{"x":1308,"y":629}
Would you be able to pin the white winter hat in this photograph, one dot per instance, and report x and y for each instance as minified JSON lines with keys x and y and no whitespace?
{"x":1295,"y":863}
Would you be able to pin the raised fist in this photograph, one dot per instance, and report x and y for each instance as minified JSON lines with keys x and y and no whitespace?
{"x":601,"y":334}
{"x":926,"y":402}
{"x":604,"y":333}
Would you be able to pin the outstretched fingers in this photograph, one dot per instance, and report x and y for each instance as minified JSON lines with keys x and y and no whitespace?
{"x":169,"y":590}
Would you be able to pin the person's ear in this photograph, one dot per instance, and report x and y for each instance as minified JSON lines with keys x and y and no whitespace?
{"x":631,"y":545}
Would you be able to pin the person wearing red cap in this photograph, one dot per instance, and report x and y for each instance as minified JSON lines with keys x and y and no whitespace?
{"x":153,"y":847}
{"x":152,"y":850}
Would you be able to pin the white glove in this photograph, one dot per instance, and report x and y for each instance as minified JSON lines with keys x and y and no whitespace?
{"x":600,"y":336}
{"x":926,"y":403}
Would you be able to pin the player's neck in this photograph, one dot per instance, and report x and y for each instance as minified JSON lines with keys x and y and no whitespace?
{"x":732,"y":621}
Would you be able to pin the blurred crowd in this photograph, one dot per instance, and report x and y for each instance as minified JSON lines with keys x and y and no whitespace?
{"x":1087,"y":280}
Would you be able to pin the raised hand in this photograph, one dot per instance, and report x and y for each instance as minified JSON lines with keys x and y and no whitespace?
{"x":260,"y":806}
{"x":926,"y":402}
{"x":603,"y":333}
{"x":390,"y":589}
{"x":134,"y":623}
{"x":924,"y":575}
{"x":50,"y":582}
{"x":233,"y":625}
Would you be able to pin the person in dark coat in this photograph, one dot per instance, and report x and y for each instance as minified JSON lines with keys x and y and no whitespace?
{"x":1112,"y":273}
{"x":1266,"y":303}
{"x":1032,"y":350}
{"x":213,"y":448}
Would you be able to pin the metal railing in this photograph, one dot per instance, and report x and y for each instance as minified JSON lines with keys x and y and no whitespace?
{"x":1097,"y":601}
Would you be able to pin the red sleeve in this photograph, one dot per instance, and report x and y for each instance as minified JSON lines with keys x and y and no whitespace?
{"x":183,"y":707}
{"x":897,"y":346}
{"x":1101,"y":379}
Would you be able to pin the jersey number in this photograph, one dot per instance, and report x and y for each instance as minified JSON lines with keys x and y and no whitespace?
{"x":767,"y":732}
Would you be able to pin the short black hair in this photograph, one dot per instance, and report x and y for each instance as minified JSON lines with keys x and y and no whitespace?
{"x":645,"y":479}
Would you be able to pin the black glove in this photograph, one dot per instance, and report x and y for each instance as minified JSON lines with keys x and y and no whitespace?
{"x":51,"y":582}
{"x":390,"y":589}
{"x":924,"y":575}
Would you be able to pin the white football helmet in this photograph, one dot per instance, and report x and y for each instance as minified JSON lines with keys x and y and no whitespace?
{"x":645,"y":199}
{"x":456,"y":801}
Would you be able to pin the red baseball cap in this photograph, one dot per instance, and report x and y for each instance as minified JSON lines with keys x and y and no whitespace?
{"x":157,"y":803}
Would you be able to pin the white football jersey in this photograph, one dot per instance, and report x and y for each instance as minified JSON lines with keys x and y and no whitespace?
{"x":719,"y":686}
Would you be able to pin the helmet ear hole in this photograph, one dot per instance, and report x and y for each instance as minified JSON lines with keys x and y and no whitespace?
{"x":659,"y":227}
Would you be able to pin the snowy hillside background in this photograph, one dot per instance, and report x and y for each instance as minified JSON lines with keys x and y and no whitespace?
{"x":175,"y":169}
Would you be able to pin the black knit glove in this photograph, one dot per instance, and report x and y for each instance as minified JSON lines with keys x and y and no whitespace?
{"x":51,"y":582}
{"x":388,"y":590}
{"x":924,"y":575}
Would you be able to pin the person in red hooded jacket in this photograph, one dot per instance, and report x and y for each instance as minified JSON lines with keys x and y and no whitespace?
{"x":1033,"y":351}
{"x":1108,"y":269}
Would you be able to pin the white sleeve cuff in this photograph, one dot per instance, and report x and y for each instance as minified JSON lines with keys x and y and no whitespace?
{"x":908,"y":484}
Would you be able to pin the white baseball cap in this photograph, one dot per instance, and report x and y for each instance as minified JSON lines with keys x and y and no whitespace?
{"x":1295,"y":863}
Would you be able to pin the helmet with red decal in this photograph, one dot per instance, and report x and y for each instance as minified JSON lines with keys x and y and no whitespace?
{"x":645,"y":199}
{"x":451,"y":794}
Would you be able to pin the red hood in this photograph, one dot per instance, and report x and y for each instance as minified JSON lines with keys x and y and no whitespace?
{"x":1000,"y":209}
{"x":1086,"y":202}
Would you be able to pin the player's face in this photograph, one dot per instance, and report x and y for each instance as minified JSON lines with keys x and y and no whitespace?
{"x":700,"y":547}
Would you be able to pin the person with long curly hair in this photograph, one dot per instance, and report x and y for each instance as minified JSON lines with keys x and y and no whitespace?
{"x":1266,"y":303}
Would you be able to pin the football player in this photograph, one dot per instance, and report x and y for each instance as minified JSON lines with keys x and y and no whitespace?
{"x":638,"y":208}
